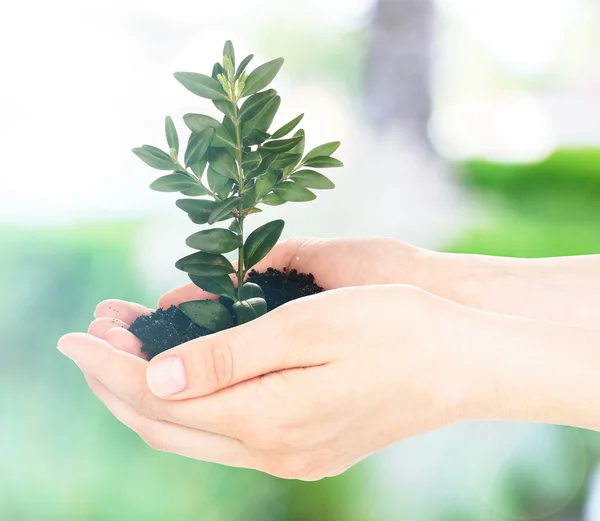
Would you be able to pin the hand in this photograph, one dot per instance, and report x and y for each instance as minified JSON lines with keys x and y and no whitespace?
{"x":335,"y":263}
{"x":303,"y":392}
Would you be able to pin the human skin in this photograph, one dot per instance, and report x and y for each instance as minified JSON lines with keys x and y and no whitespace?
{"x":378,"y":363}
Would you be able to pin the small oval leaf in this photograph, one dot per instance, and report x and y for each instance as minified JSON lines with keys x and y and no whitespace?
{"x":323,"y":162}
{"x":281,"y":145}
{"x":216,"y":240}
{"x":198,"y":210}
{"x":285,"y":160}
{"x":312,"y":179}
{"x":224,"y":165}
{"x":155,"y":157}
{"x":242,"y":66}
{"x":171,"y":133}
{"x":173,"y":183}
{"x":323,"y":150}
{"x":224,"y":210}
{"x":197,"y":146}
{"x":226,"y":107}
{"x":205,"y":264}
{"x":260,"y":77}
{"x":261,"y":241}
{"x":208,"y":314}
{"x":265,"y":183}
{"x":251,"y":161}
{"x":251,"y":309}
{"x":222,"y":285}
{"x":254,"y":104}
{"x":201,"y":85}
{"x":219,"y":184}
{"x":273,"y":200}
{"x":228,"y":51}
{"x":195,"y":191}
{"x":290,"y":191}
{"x":251,"y":290}
{"x":287,"y":128}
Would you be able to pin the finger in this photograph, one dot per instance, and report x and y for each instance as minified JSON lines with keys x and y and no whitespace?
{"x":121,"y":372}
{"x":125,"y":376}
{"x":173,"y":438}
{"x":100,"y":326}
{"x":274,"y":342}
{"x":125,"y":311}
{"x":123,"y":340}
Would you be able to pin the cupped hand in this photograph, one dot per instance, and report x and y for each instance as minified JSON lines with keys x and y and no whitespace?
{"x":303,"y":392}
{"x":335,"y":263}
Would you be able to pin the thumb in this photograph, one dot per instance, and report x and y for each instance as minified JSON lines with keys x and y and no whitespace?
{"x":209,"y":364}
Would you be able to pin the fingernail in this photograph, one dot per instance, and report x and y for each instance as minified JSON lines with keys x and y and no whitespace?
{"x":166,"y":376}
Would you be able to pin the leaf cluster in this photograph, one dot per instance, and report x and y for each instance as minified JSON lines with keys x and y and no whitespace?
{"x":227,"y":170}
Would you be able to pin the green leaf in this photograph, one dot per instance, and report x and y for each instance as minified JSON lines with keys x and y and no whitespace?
{"x":171,"y":133}
{"x":235,"y":227}
{"x":228,"y":51}
{"x":256,"y":137}
{"x":323,"y":162}
{"x":312,"y":179}
{"x":249,"y":198}
{"x":248,"y":310}
{"x":217,"y":69}
{"x":284,"y":160}
{"x":224,"y":209}
{"x":155,"y":157}
{"x":195,"y":191}
{"x":219,"y":184}
{"x":254,"y":104}
{"x":200,"y":122}
{"x":261,"y":241}
{"x":199,"y":167}
{"x":323,"y":151}
{"x":224,"y":165}
{"x":287,"y":128}
{"x":205,"y":264}
{"x":263,"y":120}
{"x":201,"y":85}
{"x":208,"y":314}
{"x":273,"y":200}
{"x":197,"y":146}
{"x":242,"y":66}
{"x":198,"y":210}
{"x":281,"y":145}
{"x":222,"y":285}
{"x":260,"y":77}
{"x":173,"y":183}
{"x":293,"y":192}
{"x":251,"y":290}
{"x":216,"y":240}
{"x":251,"y":161}
{"x":230,"y":128}
{"x":226,"y":107}
{"x":265,"y":183}
{"x":299,"y":148}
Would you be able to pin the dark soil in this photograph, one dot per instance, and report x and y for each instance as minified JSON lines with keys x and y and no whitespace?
{"x":167,"y":328}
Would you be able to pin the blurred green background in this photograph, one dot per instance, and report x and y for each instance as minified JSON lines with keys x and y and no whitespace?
{"x":489,"y":141}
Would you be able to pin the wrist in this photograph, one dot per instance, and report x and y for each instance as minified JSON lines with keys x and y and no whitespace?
{"x":538,"y":371}
{"x":483,"y":282}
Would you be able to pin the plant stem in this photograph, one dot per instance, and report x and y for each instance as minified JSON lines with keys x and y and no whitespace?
{"x":241,"y":271}
{"x":238,"y":139}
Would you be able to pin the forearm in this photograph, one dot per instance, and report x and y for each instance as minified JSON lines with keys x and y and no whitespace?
{"x":537,"y":371}
{"x":565,"y":290}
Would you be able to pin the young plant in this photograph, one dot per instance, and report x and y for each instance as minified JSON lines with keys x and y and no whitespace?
{"x":229,"y":169}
